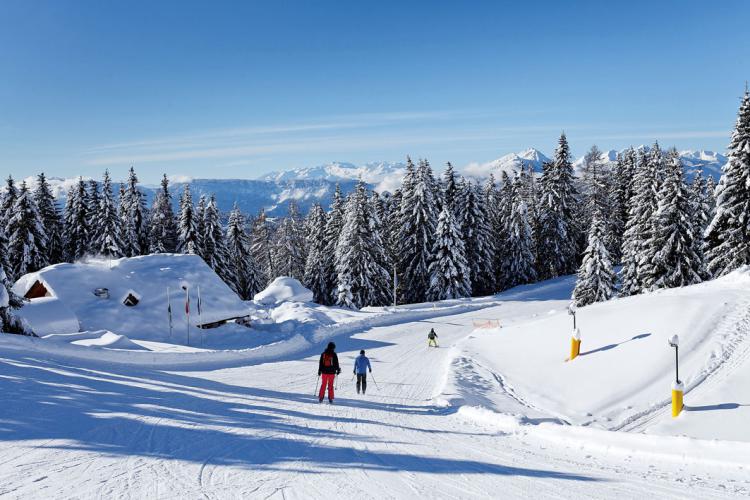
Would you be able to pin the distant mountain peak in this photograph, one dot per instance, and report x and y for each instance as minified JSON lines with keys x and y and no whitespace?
{"x":509,"y":163}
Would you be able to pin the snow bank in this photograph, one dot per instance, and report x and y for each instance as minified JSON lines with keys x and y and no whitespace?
{"x":101,"y":338}
{"x":48,"y":315}
{"x":602,"y":442}
{"x":284,"y":289}
{"x":623,"y":377}
{"x":111,"y":341}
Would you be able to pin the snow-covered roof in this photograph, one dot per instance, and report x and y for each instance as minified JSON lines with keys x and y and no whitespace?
{"x":48,"y":315}
{"x":147,"y":278}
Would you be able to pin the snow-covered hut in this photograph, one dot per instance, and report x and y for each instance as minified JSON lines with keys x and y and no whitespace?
{"x":129,"y":296}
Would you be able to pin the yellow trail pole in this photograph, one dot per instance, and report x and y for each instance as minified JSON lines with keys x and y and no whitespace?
{"x":575,"y":344}
{"x":678,"y":390}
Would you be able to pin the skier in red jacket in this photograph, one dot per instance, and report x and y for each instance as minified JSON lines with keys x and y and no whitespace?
{"x":328,"y":367}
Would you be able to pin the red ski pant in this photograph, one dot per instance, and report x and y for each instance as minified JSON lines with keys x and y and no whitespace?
{"x":328,"y":379}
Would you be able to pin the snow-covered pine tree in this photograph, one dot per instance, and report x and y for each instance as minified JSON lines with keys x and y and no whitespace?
{"x":134,"y":218}
{"x":27,"y":241}
{"x":597,"y":190}
{"x":187,"y":229}
{"x":214,"y":246}
{"x":596,"y":277}
{"x":361,"y":279}
{"x":390,"y":233}
{"x":622,"y":191}
{"x":261,"y":238}
{"x":558,"y":231}
{"x":379,"y":210}
{"x":316,"y":278}
{"x":107,"y":241}
{"x":475,"y":232}
{"x":503,"y":215}
{"x":93,"y":201}
{"x":520,"y":259}
{"x":76,"y":234}
{"x":162,"y":227}
{"x":290,"y":245}
{"x":711,"y":198}
{"x":530,"y":193}
{"x":636,"y":252}
{"x":51,"y":219}
{"x":433,"y":184}
{"x":122,"y":208}
{"x":418,"y":221}
{"x":8,"y":200}
{"x":9,"y":301}
{"x":241,"y":265}
{"x":334,"y":224}
{"x":449,"y":188}
{"x":200,"y":226}
{"x":449,"y":272}
{"x":728,"y":234}
{"x":675,"y":262}
{"x":701,"y":206}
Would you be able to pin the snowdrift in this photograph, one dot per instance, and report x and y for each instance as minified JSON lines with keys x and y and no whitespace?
{"x":283,"y":289}
{"x":623,"y":376}
{"x":147,"y":280}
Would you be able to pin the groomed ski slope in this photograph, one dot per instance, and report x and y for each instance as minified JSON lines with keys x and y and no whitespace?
{"x":75,"y":428}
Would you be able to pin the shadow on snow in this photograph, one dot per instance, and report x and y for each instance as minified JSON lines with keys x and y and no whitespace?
{"x":164,"y":415}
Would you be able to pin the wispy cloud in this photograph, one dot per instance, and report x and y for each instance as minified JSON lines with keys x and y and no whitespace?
{"x":236,"y":134}
{"x":332,"y":134}
{"x":664,"y":135}
{"x":330,"y":143}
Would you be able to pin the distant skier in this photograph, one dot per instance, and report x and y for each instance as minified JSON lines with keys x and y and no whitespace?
{"x":361,"y":365}
{"x":432,"y":338}
{"x":328,"y":367}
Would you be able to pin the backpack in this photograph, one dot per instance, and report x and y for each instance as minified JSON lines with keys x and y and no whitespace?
{"x":327,"y":359}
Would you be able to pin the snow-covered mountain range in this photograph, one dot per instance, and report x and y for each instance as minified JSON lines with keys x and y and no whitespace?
{"x":309,"y":185}
{"x":379,"y":174}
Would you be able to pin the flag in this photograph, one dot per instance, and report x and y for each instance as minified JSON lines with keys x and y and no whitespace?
{"x":199,"y":301}
{"x":187,"y":303}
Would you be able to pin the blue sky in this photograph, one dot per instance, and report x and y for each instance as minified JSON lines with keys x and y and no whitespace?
{"x":224,"y":89}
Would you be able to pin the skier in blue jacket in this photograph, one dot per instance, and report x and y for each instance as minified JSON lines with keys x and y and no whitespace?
{"x":361,"y":366}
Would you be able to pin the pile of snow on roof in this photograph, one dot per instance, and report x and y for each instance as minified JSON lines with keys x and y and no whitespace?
{"x":284,"y":289}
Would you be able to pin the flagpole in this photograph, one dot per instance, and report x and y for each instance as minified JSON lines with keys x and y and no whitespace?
{"x":200,"y":306}
{"x":169,"y":314}
{"x":187,"y":311}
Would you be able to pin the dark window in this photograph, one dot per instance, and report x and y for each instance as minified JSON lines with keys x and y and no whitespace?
{"x":131,"y":300}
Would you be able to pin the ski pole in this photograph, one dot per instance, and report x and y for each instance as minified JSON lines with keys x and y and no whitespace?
{"x":376,"y":382}
{"x":316,"y":386}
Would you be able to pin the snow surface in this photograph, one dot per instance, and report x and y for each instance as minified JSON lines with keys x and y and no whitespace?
{"x":488,"y":412}
{"x":623,"y":376}
{"x":283,"y":289}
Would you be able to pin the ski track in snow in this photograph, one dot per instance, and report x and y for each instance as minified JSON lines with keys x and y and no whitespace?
{"x":99,"y":430}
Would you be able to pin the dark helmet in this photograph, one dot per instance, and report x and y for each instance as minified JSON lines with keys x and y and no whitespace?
{"x":362,"y":352}
{"x":331,"y":346}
